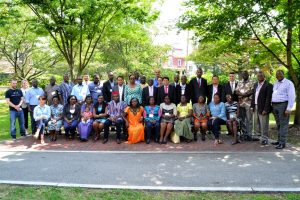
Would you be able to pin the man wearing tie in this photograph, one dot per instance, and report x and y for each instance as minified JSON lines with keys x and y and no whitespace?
{"x":198,"y":86}
{"x":164,"y":90}
{"x":176,"y":84}
{"x":229,"y":87}
{"x":149,"y":91}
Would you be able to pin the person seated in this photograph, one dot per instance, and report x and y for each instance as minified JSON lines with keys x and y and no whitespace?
{"x":100,"y":116}
{"x":183,"y":123}
{"x":232,"y":110}
{"x":133,"y":117}
{"x":115,"y":112}
{"x":201,"y":115}
{"x":152,"y":114}
{"x":218,"y":117}
{"x":41,"y":115}
{"x":86,"y":124}
{"x":169,"y":113}
{"x":71,"y":116}
{"x":55,"y":123}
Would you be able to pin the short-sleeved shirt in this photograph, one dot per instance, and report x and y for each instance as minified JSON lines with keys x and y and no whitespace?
{"x":51,"y":91}
{"x":184,"y":110}
{"x":14,"y":96}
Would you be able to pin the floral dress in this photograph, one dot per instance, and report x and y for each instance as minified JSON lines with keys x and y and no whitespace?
{"x":56,"y":113}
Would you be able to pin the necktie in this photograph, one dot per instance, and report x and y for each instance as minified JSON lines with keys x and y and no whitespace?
{"x":199,"y":82}
{"x":166,"y":89}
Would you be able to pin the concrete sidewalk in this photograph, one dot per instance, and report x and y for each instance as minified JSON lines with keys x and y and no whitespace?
{"x":247,"y":171}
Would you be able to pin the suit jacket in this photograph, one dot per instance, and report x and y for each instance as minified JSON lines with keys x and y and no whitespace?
{"x":227,"y":90}
{"x":196,"y":91}
{"x":210,"y":93}
{"x":177,"y":92}
{"x":116,"y":89}
{"x":106,"y":91}
{"x":264,"y":97}
{"x":161,"y":94}
{"x":145,"y":95}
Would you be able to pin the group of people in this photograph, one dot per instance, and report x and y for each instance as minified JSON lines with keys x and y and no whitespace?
{"x":139,"y":109}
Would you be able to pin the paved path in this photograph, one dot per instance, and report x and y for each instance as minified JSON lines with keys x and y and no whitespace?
{"x":223,"y":171}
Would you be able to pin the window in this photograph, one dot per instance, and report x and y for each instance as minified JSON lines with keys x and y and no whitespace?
{"x":179,"y":62}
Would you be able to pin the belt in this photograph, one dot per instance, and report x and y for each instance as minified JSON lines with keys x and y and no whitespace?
{"x":279,"y":102}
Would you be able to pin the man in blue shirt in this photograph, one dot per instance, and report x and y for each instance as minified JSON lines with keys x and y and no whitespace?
{"x":80,"y":90}
{"x":14,"y":98}
{"x":95,"y":88}
{"x":32,"y":99}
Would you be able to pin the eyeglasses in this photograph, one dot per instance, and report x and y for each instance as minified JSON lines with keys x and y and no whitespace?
{"x":72,"y":99}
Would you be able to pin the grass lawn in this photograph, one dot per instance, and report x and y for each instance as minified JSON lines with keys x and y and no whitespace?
{"x":40,"y":193}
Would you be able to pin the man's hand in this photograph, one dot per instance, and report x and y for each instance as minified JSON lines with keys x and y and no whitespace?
{"x":287,"y":113}
{"x":264,"y":113}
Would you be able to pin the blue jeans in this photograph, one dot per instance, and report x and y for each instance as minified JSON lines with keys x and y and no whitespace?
{"x":149,"y":127}
{"x":13,"y":116}
{"x":41,"y":124}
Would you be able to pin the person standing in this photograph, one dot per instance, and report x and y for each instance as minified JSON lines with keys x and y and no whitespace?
{"x":214,"y":88}
{"x":132,"y":90}
{"x":24,"y":89}
{"x":51,"y":90}
{"x":32,"y":100}
{"x":108,"y":86}
{"x":80,"y":91}
{"x":166,"y":90}
{"x":86,"y":79}
{"x":95,"y":88}
{"x":143,"y":81}
{"x":244,"y":90}
{"x":157,"y":76}
{"x":185,"y":88}
{"x":177,"y":87}
{"x":283,"y":99}
{"x":120,"y":87}
{"x":261,"y":106}
{"x":229,"y":87}
{"x":65,"y":89}
{"x":149,"y":91}
{"x":199,"y":86}
{"x":14,"y":98}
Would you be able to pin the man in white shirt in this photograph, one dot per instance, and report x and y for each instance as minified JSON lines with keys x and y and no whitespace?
{"x":120,"y":87}
{"x":149,"y":91}
{"x":80,"y":90}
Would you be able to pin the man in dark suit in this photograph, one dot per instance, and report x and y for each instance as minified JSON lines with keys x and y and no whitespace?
{"x":149,"y":91}
{"x":198,"y":86}
{"x":164,"y":90}
{"x":108,"y":86}
{"x":176,"y":84}
{"x":214,"y":88}
{"x":229,"y":87}
{"x":261,"y":105}
{"x":120,"y":87}
{"x":185,"y":89}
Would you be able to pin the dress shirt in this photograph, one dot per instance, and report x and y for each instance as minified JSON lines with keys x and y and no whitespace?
{"x":182,"y":89}
{"x":80,"y":91}
{"x":284,"y":91}
{"x":218,"y":110}
{"x":32,"y":96}
{"x":120,"y":90}
{"x":151,"y":91}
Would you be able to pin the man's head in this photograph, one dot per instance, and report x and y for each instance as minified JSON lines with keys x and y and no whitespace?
{"x":13,"y":83}
{"x":279,"y":75}
{"x":166,"y":81}
{"x":34,"y":83}
{"x":136,"y":75}
{"x":115,"y":96}
{"x":150,"y":82}
{"x":260,"y":76}
{"x":120,"y":80}
{"x":215,"y":80}
{"x":143,"y":79}
{"x":79,"y":80}
{"x":86,"y":77}
{"x":176,"y":78}
{"x":183,"y":79}
{"x":110,"y":76}
{"x":52,"y":81}
{"x":96,"y":78}
{"x":245,"y":75}
{"x":199,"y":73}
{"x":231,"y":76}
{"x":157,"y":73}
{"x":66,"y":77}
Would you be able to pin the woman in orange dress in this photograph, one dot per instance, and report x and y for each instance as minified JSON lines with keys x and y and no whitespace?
{"x":133,"y":116}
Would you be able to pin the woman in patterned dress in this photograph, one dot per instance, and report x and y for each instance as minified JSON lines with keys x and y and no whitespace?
{"x":201,"y":116}
{"x":132,"y":90}
{"x":55,"y":123}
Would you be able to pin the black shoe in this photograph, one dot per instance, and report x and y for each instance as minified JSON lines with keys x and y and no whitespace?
{"x":255,"y":139}
{"x":118,"y":141}
{"x":148,"y":141}
{"x":105,"y":140}
{"x":280,"y":146}
{"x":156,"y":140}
{"x":275,"y":143}
{"x":264,"y":142}
{"x":203,"y":137}
{"x":195,"y":136}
